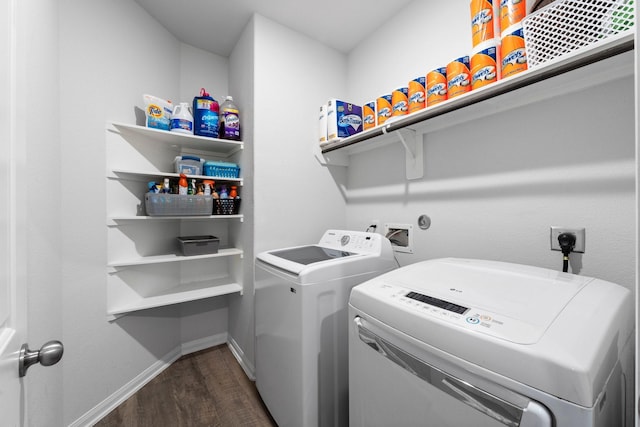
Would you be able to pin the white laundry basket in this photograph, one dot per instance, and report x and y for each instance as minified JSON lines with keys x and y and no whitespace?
{"x":568,"y":25}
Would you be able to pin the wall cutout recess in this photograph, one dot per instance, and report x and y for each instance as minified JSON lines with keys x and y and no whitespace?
{"x":400,"y":236}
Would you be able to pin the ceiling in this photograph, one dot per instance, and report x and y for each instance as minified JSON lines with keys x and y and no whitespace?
{"x":216,"y":25}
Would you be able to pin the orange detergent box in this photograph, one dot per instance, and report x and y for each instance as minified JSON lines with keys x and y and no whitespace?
{"x":484,"y":69}
{"x":343,"y":119}
{"x":513,"y":57}
{"x":369,"y":115}
{"x":482,"y":21}
{"x":458,"y":77}
{"x":383,"y":108}
{"x":400,"y":102}
{"x":416,"y":94}
{"x":436,"y":86}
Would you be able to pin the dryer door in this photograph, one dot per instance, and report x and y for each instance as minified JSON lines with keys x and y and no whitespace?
{"x":391,"y":385}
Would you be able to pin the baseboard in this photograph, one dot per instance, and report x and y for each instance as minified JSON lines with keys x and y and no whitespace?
{"x":204,"y":343}
{"x":110,"y":403}
{"x":246,"y":364}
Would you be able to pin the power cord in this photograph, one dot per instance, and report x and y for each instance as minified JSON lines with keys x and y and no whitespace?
{"x":567,"y":242}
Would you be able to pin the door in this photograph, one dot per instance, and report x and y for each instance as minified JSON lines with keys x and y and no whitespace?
{"x":12,"y":292}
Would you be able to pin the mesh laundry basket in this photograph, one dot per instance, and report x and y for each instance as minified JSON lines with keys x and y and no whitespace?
{"x":567,"y":25}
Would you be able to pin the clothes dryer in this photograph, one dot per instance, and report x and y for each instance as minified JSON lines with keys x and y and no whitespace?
{"x":452,"y":342}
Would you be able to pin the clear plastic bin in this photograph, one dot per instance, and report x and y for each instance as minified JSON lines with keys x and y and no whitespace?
{"x":177,"y":205}
{"x":189,"y":165}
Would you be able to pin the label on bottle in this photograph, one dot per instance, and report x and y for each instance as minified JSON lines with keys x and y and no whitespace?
{"x":231,"y":124}
{"x":182,"y":124}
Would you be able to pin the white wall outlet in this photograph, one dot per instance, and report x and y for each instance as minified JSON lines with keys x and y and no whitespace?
{"x":579,"y":233}
{"x":400,"y":236}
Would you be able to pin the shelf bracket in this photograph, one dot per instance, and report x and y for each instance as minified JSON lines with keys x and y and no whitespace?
{"x":413,"y":143}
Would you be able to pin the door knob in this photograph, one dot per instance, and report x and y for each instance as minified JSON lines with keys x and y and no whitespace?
{"x":49,"y":354}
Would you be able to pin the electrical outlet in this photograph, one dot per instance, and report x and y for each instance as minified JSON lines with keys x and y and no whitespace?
{"x":400,"y":236}
{"x":579,"y":233}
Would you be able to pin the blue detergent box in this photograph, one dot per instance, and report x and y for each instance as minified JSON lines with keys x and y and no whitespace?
{"x":343,"y":119}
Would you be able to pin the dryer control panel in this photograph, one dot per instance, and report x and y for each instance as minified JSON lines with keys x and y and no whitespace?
{"x":436,"y":308}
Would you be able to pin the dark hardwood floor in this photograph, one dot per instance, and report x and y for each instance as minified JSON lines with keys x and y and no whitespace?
{"x":206,"y":388}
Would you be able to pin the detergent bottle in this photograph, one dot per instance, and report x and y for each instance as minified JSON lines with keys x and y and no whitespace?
{"x":205,"y":115}
{"x":229,"y":120}
{"x":181,"y":119}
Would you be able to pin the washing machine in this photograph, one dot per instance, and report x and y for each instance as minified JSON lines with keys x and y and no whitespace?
{"x":455,"y":342}
{"x":301,"y":323}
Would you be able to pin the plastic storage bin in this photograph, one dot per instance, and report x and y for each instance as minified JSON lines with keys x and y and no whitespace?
{"x":567,"y":25}
{"x":189,"y":165}
{"x":226,"y":206}
{"x":177,"y":205}
{"x":198,"y":245}
{"x":221,"y":169}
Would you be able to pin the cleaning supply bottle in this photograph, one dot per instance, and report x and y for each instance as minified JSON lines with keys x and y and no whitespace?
{"x":182,"y":120}
{"x":183,"y":185}
{"x":205,"y":115}
{"x":166,"y":189}
{"x":229,"y":120}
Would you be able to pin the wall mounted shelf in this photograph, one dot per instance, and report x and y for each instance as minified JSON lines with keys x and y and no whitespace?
{"x":607,"y":60}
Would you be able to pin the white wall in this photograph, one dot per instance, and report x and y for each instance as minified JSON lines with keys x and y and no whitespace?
{"x":419,"y":38}
{"x":110,"y":54}
{"x":294,"y":198}
{"x":241,"y":84}
{"x":494,"y":186}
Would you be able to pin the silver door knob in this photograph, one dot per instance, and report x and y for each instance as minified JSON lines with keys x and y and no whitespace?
{"x":49,"y":354}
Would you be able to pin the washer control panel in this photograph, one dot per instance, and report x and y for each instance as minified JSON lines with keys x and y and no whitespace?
{"x":352,"y":241}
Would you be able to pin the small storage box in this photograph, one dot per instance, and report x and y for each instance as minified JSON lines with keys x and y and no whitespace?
{"x":221,"y":169}
{"x":198,"y":245}
{"x":189,"y":165}
{"x":177,"y":205}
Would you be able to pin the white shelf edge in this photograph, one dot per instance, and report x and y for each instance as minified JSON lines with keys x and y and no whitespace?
{"x":161,"y":259}
{"x":116,"y":172}
{"x":114,"y":220}
{"x":223,"y":146}
{"x":182,"y":293}
{"x":384,"y":134}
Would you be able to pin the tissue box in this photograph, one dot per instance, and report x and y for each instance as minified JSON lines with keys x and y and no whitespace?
{"x":343,"y":119}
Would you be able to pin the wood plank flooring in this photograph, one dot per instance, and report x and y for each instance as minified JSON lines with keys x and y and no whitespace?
{"x":206,"y":388}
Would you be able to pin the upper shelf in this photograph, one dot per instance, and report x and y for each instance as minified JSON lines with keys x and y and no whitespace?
{"x":605,"y":60}
{"x":222,"y":146}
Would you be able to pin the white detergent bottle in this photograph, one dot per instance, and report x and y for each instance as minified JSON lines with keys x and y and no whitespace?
{"x":181,"y":119}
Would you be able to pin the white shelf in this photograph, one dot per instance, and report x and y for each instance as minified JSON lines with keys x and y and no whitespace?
{"x":608,"y":60}
{"x":222,"y":147}
{"x":163,"y":259}
{"x":136,"y":155}
{"x":116,"y":220}
{"x":179,"y":294}
{"x":129,"y":174}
